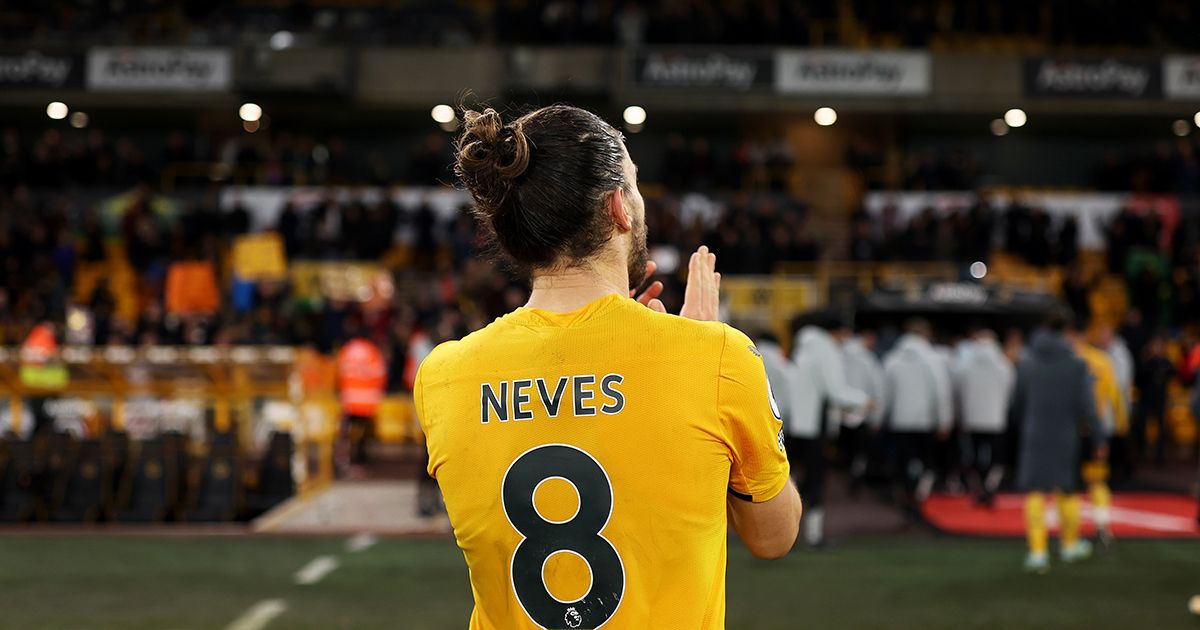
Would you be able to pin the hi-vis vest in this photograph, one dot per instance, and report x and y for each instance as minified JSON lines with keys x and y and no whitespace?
{"x":362,"y":377}
{"x":40,"y":367}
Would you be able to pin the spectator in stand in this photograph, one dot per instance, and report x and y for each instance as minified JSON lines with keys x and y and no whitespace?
{"x":1146,"y":286}
{"x":424,"y":222}
{"x":980,"y":226}
{"x":1154,"y":373}
{"x":1076,"y":291}
{"x":675,"y":162}
{"x":1119,"y":237}
{"x":1135,"y":331}
{"x":863,"y":247}
{"x":430,"y":165}
{"x":1067,"y":241}
{"x":919,"y":238}
{"x":1017,"y":229}
{"x":289,"y":228}
{"x":702,"y":165}
{"x":1038,"y":248}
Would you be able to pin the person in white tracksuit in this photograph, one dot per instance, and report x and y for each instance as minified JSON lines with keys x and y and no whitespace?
{"x":1123,"y":365}
{"x":864,"y":371}
{"x":984,"y":380}
{"x":779,"y":368}
{"x":920,"y":407}
{"x":816,"y":385}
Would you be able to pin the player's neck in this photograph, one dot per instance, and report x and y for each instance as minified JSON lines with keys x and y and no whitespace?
{"x":568,"y":289}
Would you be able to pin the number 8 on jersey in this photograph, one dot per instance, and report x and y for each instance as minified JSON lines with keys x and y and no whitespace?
{"x":579,"y":535}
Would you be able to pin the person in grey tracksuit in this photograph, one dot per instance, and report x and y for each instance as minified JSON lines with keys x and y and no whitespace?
{"x":816,"y":387}
{"x":778,"y":368}
{"x":984,"y":380}
{"x":1053,"y":401}
{"x":920,"y":406}
{"x":864,"y":372}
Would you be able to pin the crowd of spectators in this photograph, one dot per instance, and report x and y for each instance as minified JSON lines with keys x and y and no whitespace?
{"x":752,"y":231}
{"x":1058,"y":22}
{"x":748,"y":164}
{"x":1167,"y":168}
{"x":732,"y":195}
{"x":1156,"y":261}
{"x":965,"y":235}
{"x":62,"y":157}
{"x":96,"y":158}
{"x":444,"y":287}
{"x":100,"y":158}
{"x":1163,"y":167}
{"x":730,"y":22}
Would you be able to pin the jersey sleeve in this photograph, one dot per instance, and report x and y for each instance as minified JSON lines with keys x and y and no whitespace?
{"x":423,"y":418}
{"x":752,"y":424}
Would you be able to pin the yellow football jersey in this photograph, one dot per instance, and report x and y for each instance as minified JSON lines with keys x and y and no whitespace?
{"x":586,"y":457}
{"x":1106,"y":389}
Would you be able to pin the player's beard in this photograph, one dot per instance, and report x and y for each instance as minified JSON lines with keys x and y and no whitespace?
{"x":639,"y":254}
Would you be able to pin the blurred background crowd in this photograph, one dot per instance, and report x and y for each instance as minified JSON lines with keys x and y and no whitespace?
{"x":793,"y":22}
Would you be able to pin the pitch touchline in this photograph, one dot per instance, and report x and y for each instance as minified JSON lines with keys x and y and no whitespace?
{"x":361,"y":542}
{"x":316,"y":569}
{"x":259,"y":615}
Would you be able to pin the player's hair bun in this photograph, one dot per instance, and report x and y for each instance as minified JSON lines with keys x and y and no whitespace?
{"x":491,"y":156}
{"x":545,"y":211}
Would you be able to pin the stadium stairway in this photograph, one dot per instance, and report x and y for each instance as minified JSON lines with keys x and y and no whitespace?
{"x":385,"y":507}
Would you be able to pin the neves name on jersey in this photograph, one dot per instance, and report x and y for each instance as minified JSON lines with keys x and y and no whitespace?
{"x":495,"y":401}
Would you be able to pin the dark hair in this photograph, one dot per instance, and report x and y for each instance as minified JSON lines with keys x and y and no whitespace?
{"x":919,"y":326}
{"x":539,"y":182}
{"x":1059,"y":319}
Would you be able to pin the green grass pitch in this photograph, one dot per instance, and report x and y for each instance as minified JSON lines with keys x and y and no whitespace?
{"x":205,"y":582}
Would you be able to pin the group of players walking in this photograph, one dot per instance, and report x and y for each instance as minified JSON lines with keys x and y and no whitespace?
{"x":925,"y":411}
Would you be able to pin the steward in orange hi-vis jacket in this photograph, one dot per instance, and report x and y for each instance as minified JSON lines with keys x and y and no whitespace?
{"x":362,"y":378}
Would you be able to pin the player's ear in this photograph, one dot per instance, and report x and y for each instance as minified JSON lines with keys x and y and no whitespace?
{"x":616,"y":208}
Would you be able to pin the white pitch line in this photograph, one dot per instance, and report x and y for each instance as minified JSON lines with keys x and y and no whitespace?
{"x":1149,"y":520}
{"x":361,"y":542}
{"x":1126,"y":516}
{"x":318,"y":568}
{"x":259,"y":615}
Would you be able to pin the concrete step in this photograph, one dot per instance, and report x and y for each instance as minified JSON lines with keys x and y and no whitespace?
{"x":382,"y":507}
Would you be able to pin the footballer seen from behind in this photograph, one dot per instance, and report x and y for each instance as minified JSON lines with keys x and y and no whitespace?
{"x":592,"y":449}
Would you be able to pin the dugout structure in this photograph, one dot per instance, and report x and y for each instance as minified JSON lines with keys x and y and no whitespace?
{"x":162,"y":433}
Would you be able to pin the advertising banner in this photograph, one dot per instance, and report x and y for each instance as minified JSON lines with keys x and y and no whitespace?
{"x":34,"y":69}
{"x":737,"y":70}
{"x":852,"y":73}
{"x":1047,"y":77}
{"x":1181,"y":77}
{"x":160,"y":69}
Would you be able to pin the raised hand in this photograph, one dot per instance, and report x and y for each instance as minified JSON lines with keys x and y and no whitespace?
{"x":649,"y":297}
{"x":702,"y":298}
